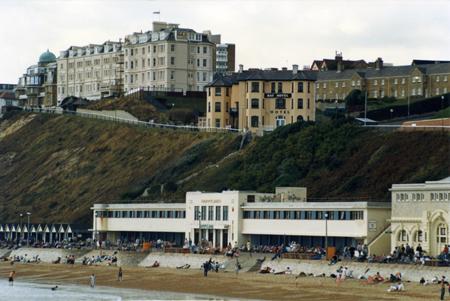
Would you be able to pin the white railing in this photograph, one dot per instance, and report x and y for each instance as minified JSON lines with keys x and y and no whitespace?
{"x":399,"y":126}
{"x":134,"y":122}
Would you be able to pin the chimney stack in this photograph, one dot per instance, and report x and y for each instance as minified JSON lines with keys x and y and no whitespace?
{"x":339,"y":63}
{"x":379,"y":63}
{"x":241,"y":68}
{"x":294,"y":69}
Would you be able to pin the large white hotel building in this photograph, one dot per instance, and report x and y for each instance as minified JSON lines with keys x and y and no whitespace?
{"x":416,"y":214}
{"x":237,"y":216}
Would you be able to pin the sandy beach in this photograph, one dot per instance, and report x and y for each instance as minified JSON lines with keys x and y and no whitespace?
{"x":244,"y":285}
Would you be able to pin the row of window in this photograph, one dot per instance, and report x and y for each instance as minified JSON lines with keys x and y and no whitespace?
{"x":280,"y":103}
{"x":156,"y":48}
{"x":89,"y":63}
{"x":279,"y":120}
{"x":278,"y":87}
{"x":160,"y":75}
{"x":415,"y":79}
{"x":415,"y":196}
{"x":304,"y":215}
{"x":211,"y":213}
{"x":420,"y":236}
{"x":160,"y":61}
{"x":142,"y":214}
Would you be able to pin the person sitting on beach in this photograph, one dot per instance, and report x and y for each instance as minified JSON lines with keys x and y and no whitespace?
{"x":377,"y":278}
{"x":396,"y":278}
{"x":57,"y":261}
{"x":397,"y":288}
{"x":425,"y":282}
{"x":54,"y":288}
{"x":333,"y":260}
{"x":184,"y":267}
{"x":265,"y":270}
{"x":155,"y":264}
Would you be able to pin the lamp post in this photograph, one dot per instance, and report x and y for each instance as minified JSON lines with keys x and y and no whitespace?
{"x":28,"y":229}
{"x":199,"y":215}
{"x":336,"y":102}
{"x":365,"y":107}
{"x":326,"y":235}
{"x":95,"y":228}
{"x":391,"y":111}
{"x":20,"y":234}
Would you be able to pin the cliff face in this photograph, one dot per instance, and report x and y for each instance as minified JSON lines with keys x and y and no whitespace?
{"x":57,"y":166}
{"x":333,"y":160}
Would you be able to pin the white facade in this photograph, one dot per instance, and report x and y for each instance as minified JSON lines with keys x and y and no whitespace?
{"x":233,"y":217}
{"x":92,"y":72}
{"x":421,"y":215}
{"x":168,"y":58}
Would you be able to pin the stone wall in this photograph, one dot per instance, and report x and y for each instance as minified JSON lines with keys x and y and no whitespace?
{"x":409,"y":272}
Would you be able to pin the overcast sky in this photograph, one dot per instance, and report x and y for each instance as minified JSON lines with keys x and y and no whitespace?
{"x":266,"y":33}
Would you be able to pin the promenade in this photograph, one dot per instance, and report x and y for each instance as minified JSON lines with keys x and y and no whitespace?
{"x":243,"y":285}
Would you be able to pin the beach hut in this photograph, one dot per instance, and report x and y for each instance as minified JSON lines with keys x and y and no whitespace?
{"x":53,"y":233}
{"x":61,"y":231}
{"x":32,"y":231}
{"x":7,"y":232}
{"x":14,"y":232}
{"x":25,"y":231}
{"x":69,"y":232}
{"x":46,"y":233}
{"x":39,"y":231}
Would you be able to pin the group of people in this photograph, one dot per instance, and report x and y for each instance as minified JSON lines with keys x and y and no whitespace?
{"x":109,"y":259}
{"x":23,"y":259}
{"x":210,"y":265}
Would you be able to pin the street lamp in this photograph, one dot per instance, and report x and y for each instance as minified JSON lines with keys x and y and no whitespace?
{"x":20,"y":234}
{"x":199,"y":215}
{"x":28,"y":229}
{"x":95,"y":228}
{"x":336,"y":102}
{"x":391,"y":111}
{"x":326,"y":235}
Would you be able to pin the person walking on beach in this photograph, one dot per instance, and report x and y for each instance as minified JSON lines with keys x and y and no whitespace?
{"x":237,"y":266}
{"x":12,"y":274}
{"x":442,"y":287}
{"x":120,"y":274}
{"x":206,"y":267}
{"x":92,"y":281}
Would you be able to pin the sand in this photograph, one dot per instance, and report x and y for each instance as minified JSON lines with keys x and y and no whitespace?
{"x":244,"y":285}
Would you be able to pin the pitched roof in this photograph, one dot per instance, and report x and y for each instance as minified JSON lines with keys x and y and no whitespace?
{"x":264,"y":75}
{"x":7,"y":95}
{"x":426,"y":62}
{"x":443,"y":68}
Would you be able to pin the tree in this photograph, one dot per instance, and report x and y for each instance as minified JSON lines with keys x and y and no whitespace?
{"x":354,"y":100}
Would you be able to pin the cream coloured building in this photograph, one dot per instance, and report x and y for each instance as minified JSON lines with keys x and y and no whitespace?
{"x":261,"y":100}
{"x":169,"y":58}
{"x":93,"y":71}
{"x":237,"y":216}
{"x":421,"y":215}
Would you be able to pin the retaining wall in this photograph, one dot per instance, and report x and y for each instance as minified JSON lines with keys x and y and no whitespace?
{"x":410,"y":272}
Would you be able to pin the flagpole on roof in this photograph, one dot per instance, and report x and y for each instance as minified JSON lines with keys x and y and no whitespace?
{"x":158,"y":13}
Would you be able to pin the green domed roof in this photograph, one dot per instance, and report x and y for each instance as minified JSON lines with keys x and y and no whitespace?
{"x":47,"y":57}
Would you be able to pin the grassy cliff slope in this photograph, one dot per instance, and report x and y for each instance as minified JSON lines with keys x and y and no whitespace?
{"x":58,"y":166}
{"x":333,"y":161}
